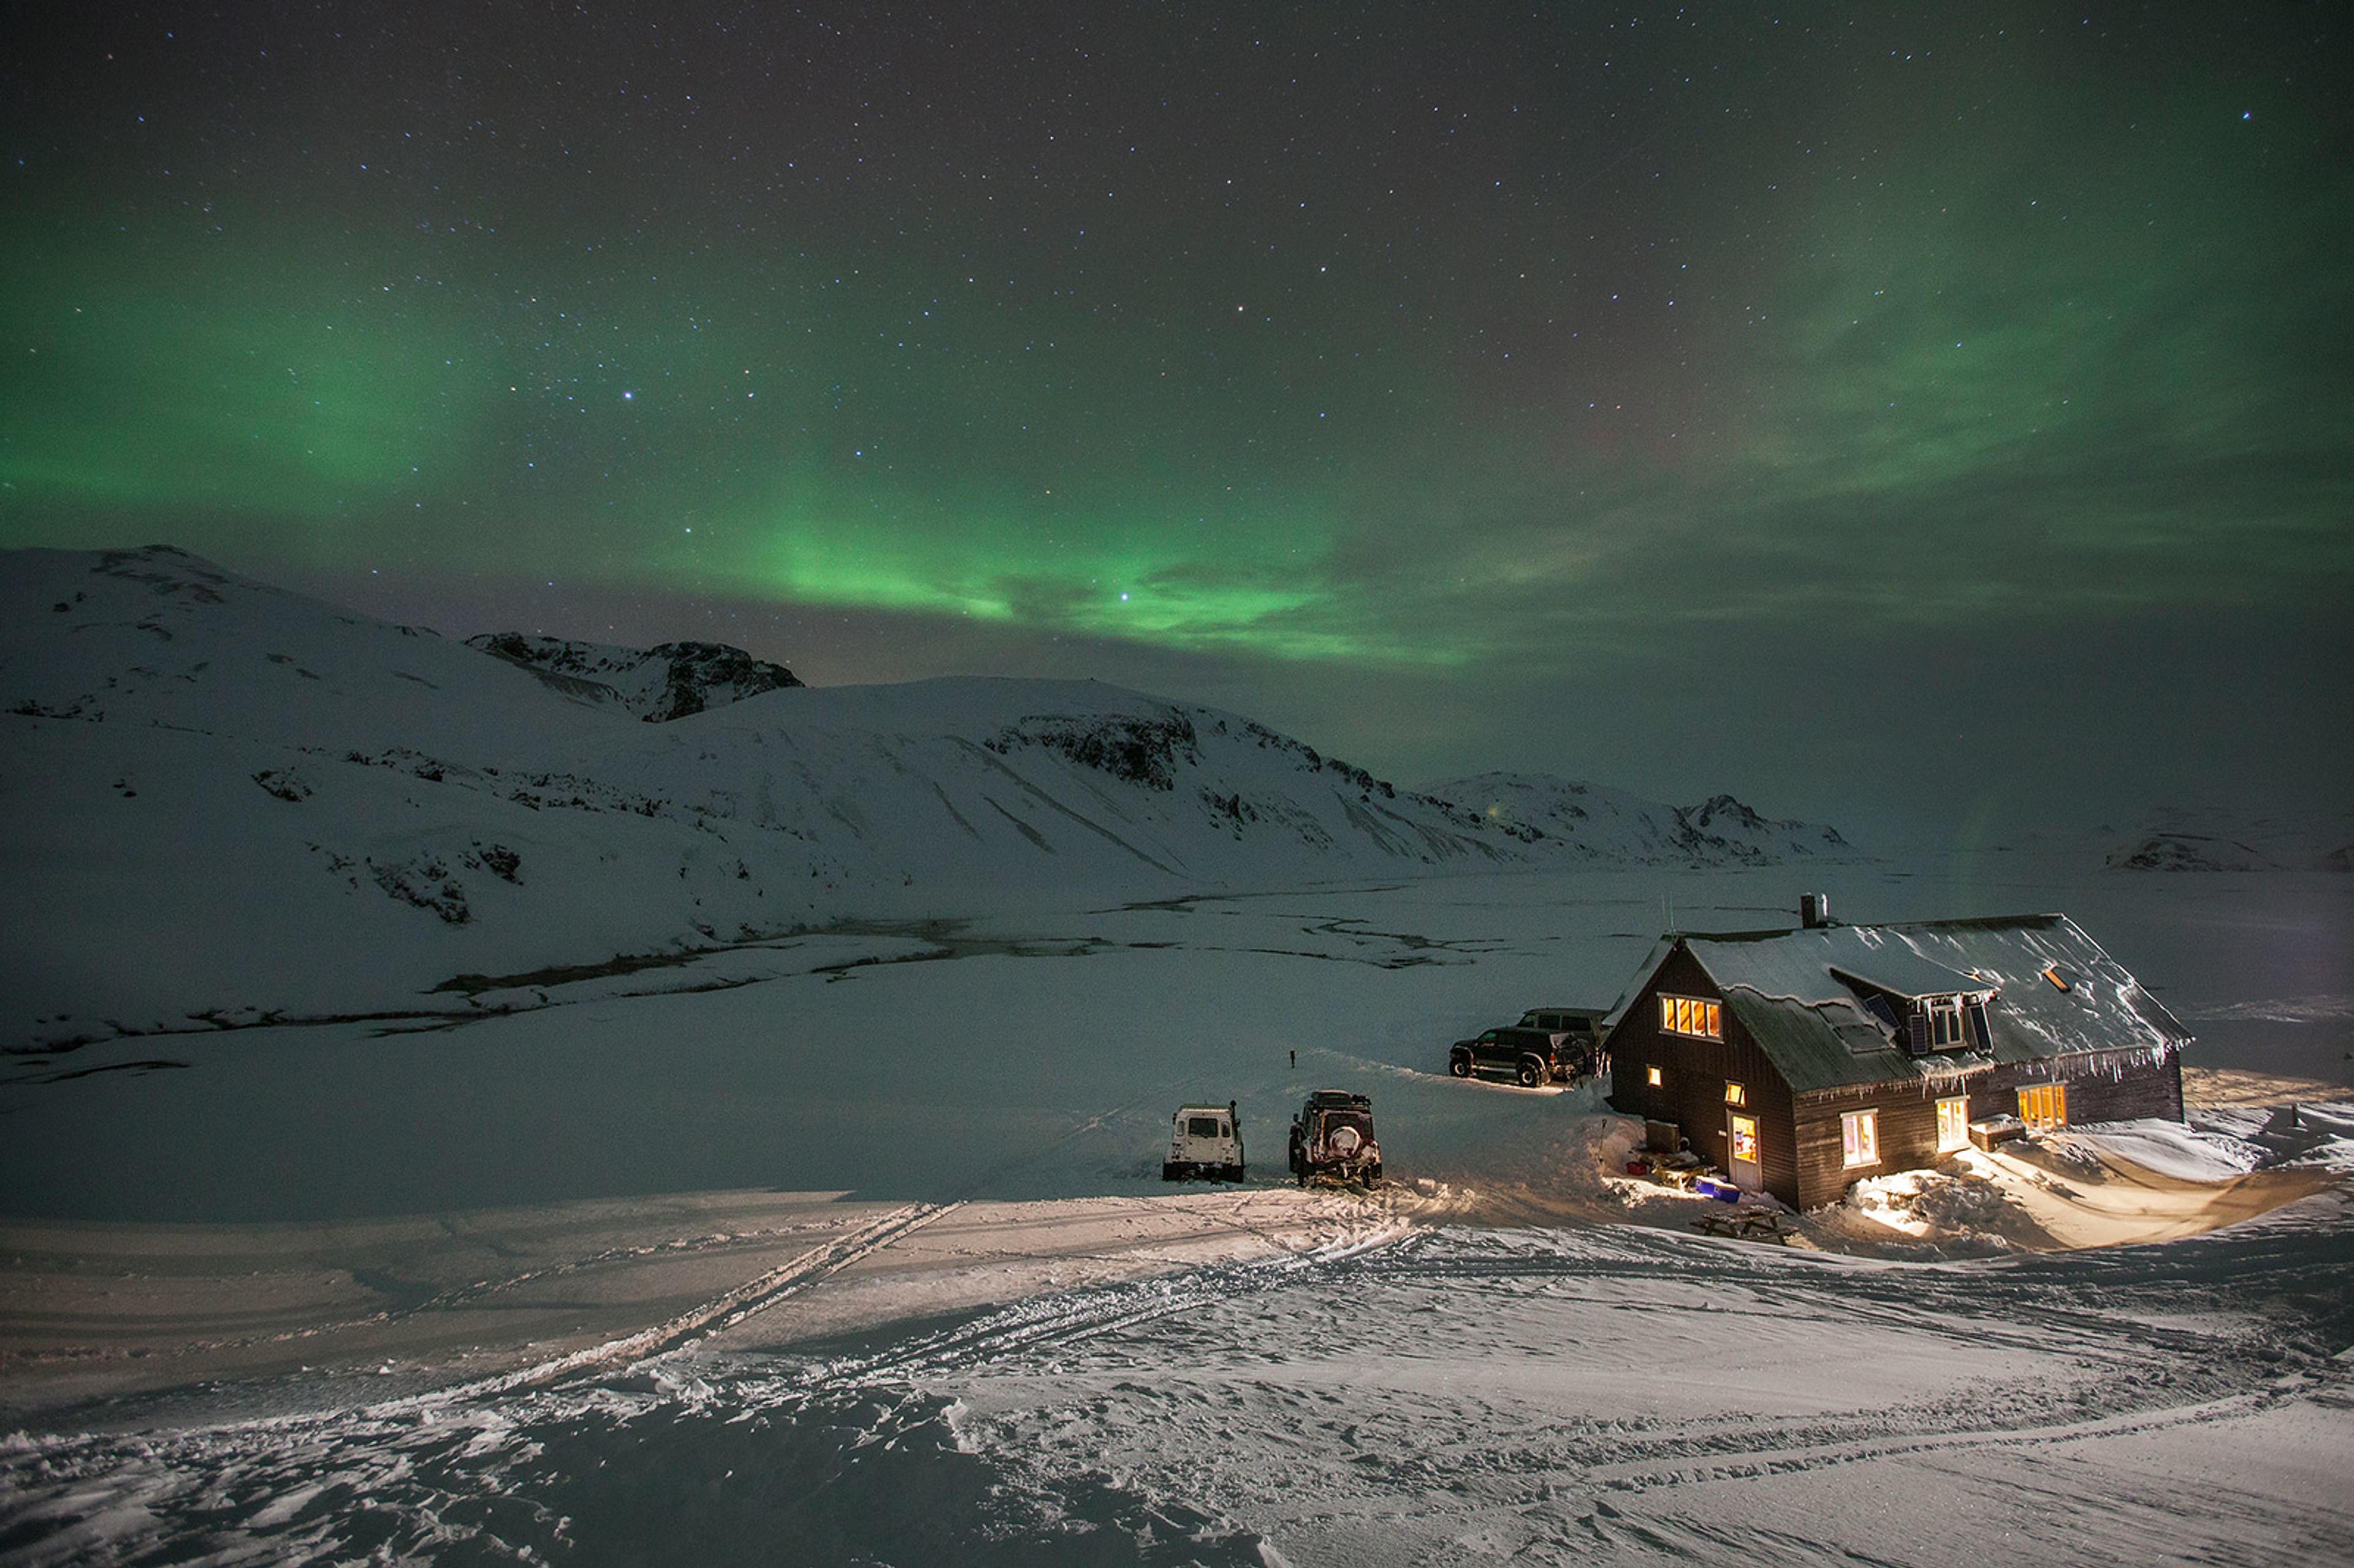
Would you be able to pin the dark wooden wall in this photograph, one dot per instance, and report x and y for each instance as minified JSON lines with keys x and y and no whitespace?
{"x":2120,"y":1087}
{"x":1908,"y":1134}
{"x":1695,"y":1073}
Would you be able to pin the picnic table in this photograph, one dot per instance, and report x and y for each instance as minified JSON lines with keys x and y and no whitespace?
{"x":1752,"y":1224}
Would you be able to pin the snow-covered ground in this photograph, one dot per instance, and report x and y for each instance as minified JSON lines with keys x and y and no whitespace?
{"x":1412,"y":1395}
{"x":419,"y":1140}
{"x":850,"y":1247}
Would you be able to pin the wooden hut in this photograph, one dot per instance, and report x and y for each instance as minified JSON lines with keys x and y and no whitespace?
{"x":1799,"y":1061}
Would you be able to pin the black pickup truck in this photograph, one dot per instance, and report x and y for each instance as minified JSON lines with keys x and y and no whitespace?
{"x":1548,"y":1044}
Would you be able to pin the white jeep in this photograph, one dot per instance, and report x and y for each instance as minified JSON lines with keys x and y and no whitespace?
{"x":1205,"y":1141}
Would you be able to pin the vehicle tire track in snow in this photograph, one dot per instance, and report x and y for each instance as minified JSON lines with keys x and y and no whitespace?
{"x":721,"y":1313}
{"x":476,"y":1291}
{"x":1080,"y":1315}
{"x":1213,"y":1392}
{"x":463,"y":1468}
{"x":1785,"y":1457}
{"x":1249,"y":1413}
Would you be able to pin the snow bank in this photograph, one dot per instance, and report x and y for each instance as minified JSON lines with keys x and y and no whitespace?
{"x":2292,"y":1136}
{"x":2186,"y":1153}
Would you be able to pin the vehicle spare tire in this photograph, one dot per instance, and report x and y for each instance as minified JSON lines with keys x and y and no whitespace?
{"x":1344,"y":1141}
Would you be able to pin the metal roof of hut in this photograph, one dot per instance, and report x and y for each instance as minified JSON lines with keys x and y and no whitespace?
{"x":1804,"y":996}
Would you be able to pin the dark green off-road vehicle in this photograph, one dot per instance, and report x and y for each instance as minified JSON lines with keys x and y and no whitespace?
{"x":1549,"y":1045}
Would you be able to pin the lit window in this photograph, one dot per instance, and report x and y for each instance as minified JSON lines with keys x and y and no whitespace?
{"x":1860,"y":1137}
{"x":1654,"y":1078}
{"x":1689,"y":1015}
{"x":1745,"y":1139}
{"x":2043,"y":1107}
{"x":1952,"y":1124}
{"x":2056,"y":977}
{"x":1736,"y":1093}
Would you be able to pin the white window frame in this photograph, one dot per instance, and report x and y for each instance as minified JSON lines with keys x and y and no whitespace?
{"x":1945,"y":1019}
{"x":1657,"y":1078}
{"x":1953,"y":1123}
{"x":1858,"y":1138}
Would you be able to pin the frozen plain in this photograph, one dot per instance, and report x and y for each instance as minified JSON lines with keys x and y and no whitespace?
{"x":798,"y":1253}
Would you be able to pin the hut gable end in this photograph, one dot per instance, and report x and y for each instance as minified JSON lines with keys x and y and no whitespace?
{"x":1698,"y":1077}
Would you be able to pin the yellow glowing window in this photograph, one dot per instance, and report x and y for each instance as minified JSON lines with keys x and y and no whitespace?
{"x":1736,"y":1093}
{"x":1689,"y":1015}
{"x":1952,"y":1124}
{"x":2043,"y":1107}
{"x":2055,"y":977}
{"x":1745,"y":1139}
{"x":1654,"y":1076}
{"x":1860,"y":1137}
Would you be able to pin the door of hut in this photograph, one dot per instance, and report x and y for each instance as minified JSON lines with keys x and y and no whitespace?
{"x":1741,"y":1145}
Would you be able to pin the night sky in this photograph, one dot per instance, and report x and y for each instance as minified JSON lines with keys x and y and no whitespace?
{"x":1945,"y":412}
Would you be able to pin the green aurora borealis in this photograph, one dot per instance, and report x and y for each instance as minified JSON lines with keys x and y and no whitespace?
{"x":1508,"y":366}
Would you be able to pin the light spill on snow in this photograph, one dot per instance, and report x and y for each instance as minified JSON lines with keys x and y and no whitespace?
{"x":2170,"y":1148}
{"x":1602,"y":1394}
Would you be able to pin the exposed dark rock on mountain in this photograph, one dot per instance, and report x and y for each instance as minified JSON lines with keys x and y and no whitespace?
{"x":666,"y":681}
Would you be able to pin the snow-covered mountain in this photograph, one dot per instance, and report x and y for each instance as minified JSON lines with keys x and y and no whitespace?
{"x":668,"y":680}
{"x":2176,"y":838}
{"x":224,"y":801}
{"x":1610,"y":826}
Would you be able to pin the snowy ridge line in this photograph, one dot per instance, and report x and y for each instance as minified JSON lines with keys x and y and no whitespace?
{"x":724,"y":1311}
{"x":2324,"y":1007}
{"x":313,"y":782}
{"x":1077,"y":1316}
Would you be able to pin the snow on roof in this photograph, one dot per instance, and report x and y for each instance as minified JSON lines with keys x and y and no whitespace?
{"x":2055,"y":993}
{"x":1902,"y":973}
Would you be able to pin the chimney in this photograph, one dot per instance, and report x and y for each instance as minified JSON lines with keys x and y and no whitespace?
{"x":1814,"y":910}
